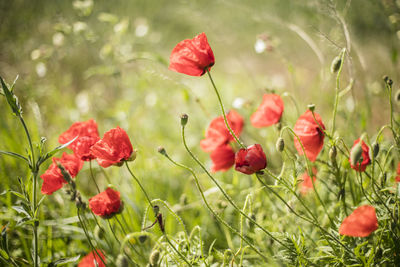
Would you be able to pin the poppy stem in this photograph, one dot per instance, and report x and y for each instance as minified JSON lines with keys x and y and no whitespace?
{"x":140,"y":185}
{"x":177,"y":251}
{"x":92,"y":176}
{"x":343,"y":52}
{"x":223,"y":111}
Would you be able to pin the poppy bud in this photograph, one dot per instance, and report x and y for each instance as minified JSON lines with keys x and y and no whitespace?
{"x":154,"y":257}
{"x":385,"y":78}
{"x":280,"y":144}
{"x":279,"y":126}
{"x":375,"y":149}
{"x":249,"y":223}
{"x":332,"y":153}
{"x":390,"y":82}
{"x":311,"y":107}
{"x":397,"y":96}
{"x":156,"y":209}
{"x":122,"y":261}
{"x":99,"y":232}
{"x":336,"y":63}
{"x":162,"y":150}
{"x":356,"y":154}
{"x":142,"y":238}
{"x":183,"y":199}
{"x":184,"y":119}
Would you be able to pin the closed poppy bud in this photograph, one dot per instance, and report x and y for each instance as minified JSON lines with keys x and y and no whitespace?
{"x":217,"y":134}
{"x":359,"y":156}
{"x":53,"y":179}
{"x":122,"y":261}
{"x":222,"y":158}
{"x":310,"y":135}
{"x":192,"y":56}
{"x":162,"y":150}
{"x":361,"y":223}
{"x":184,"y":119}
{"x":250,"y":160}
{"x":93,"y":260}
{"x":280,"y":144}
{"x":87,"y":134}
{"x":106,"y":203}
{"x":269,"y":112}
{"x":332,"y":153}
{"x":114,"y":148}
{"x":336,"y":62}
{"x":375,"y":149}
{"x":154,"y":257}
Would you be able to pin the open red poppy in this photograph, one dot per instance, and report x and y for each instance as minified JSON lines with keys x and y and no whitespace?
{"x":93,"y":260}
{"x":222,"y":158}
{"x":269,"y":112}
{"x":250,"y":160}
{"x":361,"y":223}
{"x":106,"y":203}
{"x":192,"y":56}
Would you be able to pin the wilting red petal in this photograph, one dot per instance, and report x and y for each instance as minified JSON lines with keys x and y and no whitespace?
{"x":113,"y":148}
{"x":222,"y":158}
{"x":250,"y":160}
{"x":269,"y":112}
{"x":105,"y":203}
{"x":310,"y":134}
{"x":89,"y":259}
{"x":192,"y":56}
{"x":53,"y":179}
{"x":361,"y":223}
{"x":361,"y":166}
{"x":217,"y":134}
{"x":398,"y":173}
{"x":82,"y":146}
{"x":307,"y":184}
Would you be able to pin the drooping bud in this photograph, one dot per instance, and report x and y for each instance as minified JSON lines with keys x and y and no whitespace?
{"x":99,"y":232}
{"x":280,"y":144}
{"x":278,"y":126}
{"x":375,"y":149}
{"x":355,"y":154}
{"x":184,"y":119}
{"x":311,"y":107}
{"x":122,"y":261}
{"x":162,"y":150}
{"x":156,"y":209}
{"x":249,"y":223}
{"x":336,"y":62}
{"x":385,"y":78}
{"x":154,"y":257}
{"x":332,"y":153}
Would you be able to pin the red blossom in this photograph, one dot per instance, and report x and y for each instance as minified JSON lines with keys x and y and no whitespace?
{"x":269,"y":112}
{"x":250,"y":160}
{"x":53,"y":178}
{"x":361,"y":166}
{"x":310,"y":134}
{"x":106,"y":203}
{"x":398,"y":173}
{"x":361,"y":223}
{"x":222,"y":158}
{"x":217,"y":134}
{"x":87,"y":134}
{"x":114,"y":148}
{"x":192,"y":56}
{"x":307,"y":184}
{"x":92,"y":258}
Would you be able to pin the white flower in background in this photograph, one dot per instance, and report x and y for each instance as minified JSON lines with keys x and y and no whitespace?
{"x":82,"y":102}
{"x":79,"y":26}
{"x":41,"y":69}
{"x":238,"y":102}
{"x":350,"y":104}
{"x":121,"y":27}
{"x":260,"y":46}
{"x":58,"y":39}
{"x":151,"y":99}
{"x":142,"y":27}
{"x":35,"y":54}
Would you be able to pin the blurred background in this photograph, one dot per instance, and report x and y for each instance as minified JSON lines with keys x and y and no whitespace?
{"x":108,"y":60}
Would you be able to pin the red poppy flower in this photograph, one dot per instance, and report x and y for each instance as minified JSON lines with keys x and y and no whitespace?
{"x":93,"y":260}
{"x":217,"y":134}
{"x":87,"y":134}
{"x":192,"y":56}
{"x":307,"y":184}
{"x":361,"y":223}
{"x":222,"y":158}
{"x":269,"y":112}
{"x":106,"y":203}
{"x":361,"y":166}
{"x":53,"y":178}
{"x":114,"y":148}
{"x":250,"y":160}
{"x":310,"y":134}
{"x":398,"y":173}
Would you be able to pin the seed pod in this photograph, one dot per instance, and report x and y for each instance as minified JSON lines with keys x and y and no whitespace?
{"x":122,"y":261}
{"x":280,"y":144}
{"x":375,"y":149}
{"x":355,"y":154}
{"x":184,"y":119}
{"x":336,"y":62}
{"x":249,"y":223}
{"x":311,"y":107}
{"x":154,"y":257}
{"x":142,"y":238}
{"x":332,"y":153}
{"x":162,"y":150}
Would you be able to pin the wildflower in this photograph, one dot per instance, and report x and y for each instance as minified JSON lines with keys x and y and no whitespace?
{"x":307,"y":184}
{"x":359,"y":156}
{"x":53,"y":179}
{"x":192,"y":56}
{"x":222,"y":158}
{"x":114,"y":148}
{"x":106,"y":203}
{"x":93,"y":260}
{"x":398,"y":173}
{"x":361,"y":223}
{"x":310,"y":134}
{"x":269,"y":112}
{"x":217,"y":133}
{"x":250,"y":160}
{"x":87,"y":134}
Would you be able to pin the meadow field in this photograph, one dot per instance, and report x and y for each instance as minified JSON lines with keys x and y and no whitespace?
{"x":200,"y":133}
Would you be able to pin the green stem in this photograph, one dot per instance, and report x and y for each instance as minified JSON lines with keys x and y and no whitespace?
{"x":337,"y":90}
{"x":92,"y":176}
{"x":140,"y":185}
{"x":223,"y":111}
{"x":177,"y":251}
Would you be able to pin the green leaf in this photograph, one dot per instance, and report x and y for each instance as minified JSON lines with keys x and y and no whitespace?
{"x":22,"y":210}
{"x":11,"y":99}
{"x":17,"y":194}
{"x":54,"y":151}
{"x":4,"y":254}
{"x":15,"y":155}
{"x":63,"y":261}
